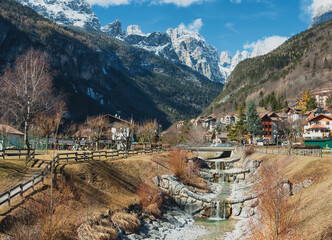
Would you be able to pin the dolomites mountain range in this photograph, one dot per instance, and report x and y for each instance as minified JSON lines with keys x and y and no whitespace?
{"x":177,"y":45}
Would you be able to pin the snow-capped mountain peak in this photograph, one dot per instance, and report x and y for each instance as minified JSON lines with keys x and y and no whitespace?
{"x":134,"y":30}
{"x":322,"y":14}
{"x":66,"y":12}
{"x":113,"y":29}
{"x":225,"y":59}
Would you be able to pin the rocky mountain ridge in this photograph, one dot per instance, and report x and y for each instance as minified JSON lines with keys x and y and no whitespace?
{"x":76,"y":13}
{"x":100,"y":74}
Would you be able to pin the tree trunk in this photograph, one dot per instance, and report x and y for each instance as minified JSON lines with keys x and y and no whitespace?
{"x":26,"y":137}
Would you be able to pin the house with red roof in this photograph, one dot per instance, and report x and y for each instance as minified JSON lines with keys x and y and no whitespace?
{"x":318,"y":127}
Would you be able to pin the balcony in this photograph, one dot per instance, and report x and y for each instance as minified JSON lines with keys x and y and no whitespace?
{"x":313,"y":135}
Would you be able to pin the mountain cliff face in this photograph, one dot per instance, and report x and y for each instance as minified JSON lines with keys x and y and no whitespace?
{"x":323,"y":14}
{"x":302,"y":62}
{"x":100,"y":74}
{"x":177,"y":45}
{"x":227,"y":63}
{"x":76,"y":13}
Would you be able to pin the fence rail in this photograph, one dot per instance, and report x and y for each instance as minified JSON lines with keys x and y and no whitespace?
{"x":293,"y":151}
{"x":15,"y":152}
{"x":20,"y":189}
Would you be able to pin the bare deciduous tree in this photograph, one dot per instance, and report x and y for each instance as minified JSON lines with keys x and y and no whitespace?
{"x":48,"y":122}
{"x":26,"y":89}
{"x":196,"y":136}
{"x":148,"y":131}
{"x":290,"y":130}
{"x":277,"y":211}
{"x":97,"y":128}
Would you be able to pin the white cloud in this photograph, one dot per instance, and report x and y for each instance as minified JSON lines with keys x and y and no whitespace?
{"x":195,"y":26}
{"x":265,"y":45}
{"x":231,"y":27}
{"x":236,"y":1}
{"x":107,"y":3}
{"x":314,"y":8}
{"x":181,"y":3}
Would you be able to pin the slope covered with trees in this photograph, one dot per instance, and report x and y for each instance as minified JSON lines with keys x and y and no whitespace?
{"x":303,"y":62}
{"x":100,"y":74}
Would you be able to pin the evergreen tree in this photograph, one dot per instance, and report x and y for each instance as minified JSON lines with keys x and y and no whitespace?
{"x":238,"y":130}
{"x":253,"y":124}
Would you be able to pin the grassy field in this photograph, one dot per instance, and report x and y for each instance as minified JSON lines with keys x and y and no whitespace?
{"x":83,"y":191}
{"x":314,"y":218}
{"x":13,"y":171}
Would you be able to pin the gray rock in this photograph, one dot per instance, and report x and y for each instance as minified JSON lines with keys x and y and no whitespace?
{"x":297,"y":187}
{"x":307,"y":183}
{"x":156,"y":180}
{"x":236,"y":209}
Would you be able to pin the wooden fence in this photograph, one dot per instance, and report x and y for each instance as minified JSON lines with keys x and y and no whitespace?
{"x":293,"y":151}
{"x":20,"y":189}
{"x":15,"y":152}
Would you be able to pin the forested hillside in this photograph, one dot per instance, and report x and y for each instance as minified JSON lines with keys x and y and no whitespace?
{"x":100,"y":74}
{"x":303,"y":62}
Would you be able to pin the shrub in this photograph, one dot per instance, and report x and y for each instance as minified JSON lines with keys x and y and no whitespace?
{"x":187,"y":171}
{"x":97,"y":229}
{"x":178,"y":163}
{"x":150,"y":198}
{"x":128,"y":222}
{"x":248,"y":151}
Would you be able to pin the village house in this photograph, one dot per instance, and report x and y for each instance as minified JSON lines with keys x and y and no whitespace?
{"x":322,"y":95}
{"x":318,"y":127}
{"x":270,"y":123}
{"x":228,"y":120}
{"x":116,"y":131}
{"x":10,"y":137}
{"x":179,"y":124}
{"x":293,"y":113}
{"x":219,"y":138}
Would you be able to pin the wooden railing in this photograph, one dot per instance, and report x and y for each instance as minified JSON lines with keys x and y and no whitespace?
{"x":98,"y":155}
{"x":20,"y":189}
{"x":316,"y":152}
{"x":15,"y":152}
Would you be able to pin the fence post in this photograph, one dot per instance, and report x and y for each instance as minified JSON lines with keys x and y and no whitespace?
{"x":76,"y":156}
{"x":21,"y":192}
{"x":33,"y":183}
{"x":8,"y":198}
{"x":99,"y":155}
{"x":67,"y":158}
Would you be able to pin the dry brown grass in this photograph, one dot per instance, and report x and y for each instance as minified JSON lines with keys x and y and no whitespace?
{"x":277,"y":213}
{"x":97,"y":229}
{"x":36,"y":220}
{"x":315,"y":214}
{"x":150,"y":198}
{"x":128,"y":222}
{"x":187,"y":172}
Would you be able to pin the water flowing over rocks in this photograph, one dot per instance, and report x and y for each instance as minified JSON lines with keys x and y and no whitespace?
{"x":175,"y":224}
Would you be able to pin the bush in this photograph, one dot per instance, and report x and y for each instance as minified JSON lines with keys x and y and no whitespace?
{"x":150,"y":198}
{"x":248,"y":151}
{"x":178,"y":163}
{"x":97,"y":229}
{"x":187,"y":172}
{"x":128,"y":222}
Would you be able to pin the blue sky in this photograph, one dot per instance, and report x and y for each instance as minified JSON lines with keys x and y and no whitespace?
{"x":225,"y":24}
